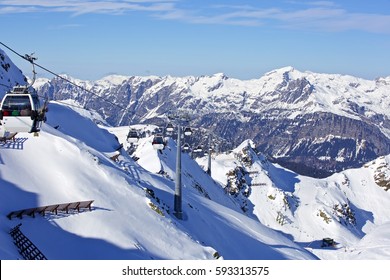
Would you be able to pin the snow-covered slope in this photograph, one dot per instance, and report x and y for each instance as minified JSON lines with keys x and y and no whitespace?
{"x":72,"y":163}
{"x":352,"y":207}
{"x":10,"y":75}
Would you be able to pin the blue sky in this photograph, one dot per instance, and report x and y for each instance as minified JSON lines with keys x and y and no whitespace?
{"x":241,"y":38}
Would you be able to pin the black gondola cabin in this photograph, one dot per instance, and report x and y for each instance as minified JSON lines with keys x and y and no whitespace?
{"x":21,"y":110}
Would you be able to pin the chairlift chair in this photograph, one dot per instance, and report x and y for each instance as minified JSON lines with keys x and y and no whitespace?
{"x":21,"y":110}
{"x":158,"y":142}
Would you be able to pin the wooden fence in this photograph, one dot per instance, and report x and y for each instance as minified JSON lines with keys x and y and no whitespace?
{"x":55,"y":208}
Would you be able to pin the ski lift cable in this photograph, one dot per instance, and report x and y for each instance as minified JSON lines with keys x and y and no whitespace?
{"x":6,"y":86}
{"x":31,"y":60}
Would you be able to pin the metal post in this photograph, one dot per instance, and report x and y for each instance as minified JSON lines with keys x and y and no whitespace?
{"x":177,"y":203}
{"x":209,"y":157}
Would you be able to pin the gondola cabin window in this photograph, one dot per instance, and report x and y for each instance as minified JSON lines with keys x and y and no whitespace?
{"x":17,"y":106}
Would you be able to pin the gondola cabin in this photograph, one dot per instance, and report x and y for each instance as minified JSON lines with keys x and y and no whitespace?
{"x":158,"y":142}
{"x":198,"y":149}
{"x":328,"y":242}
{"x":21,"y":110}
{"x":186,"y":147}
{"x":187,"y":131}
{"x":170,"y":128}
{"x":132,"y":136}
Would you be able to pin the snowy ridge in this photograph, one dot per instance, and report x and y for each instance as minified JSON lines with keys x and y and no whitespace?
{"x":278,"y":89}
{"x":351,"y":207}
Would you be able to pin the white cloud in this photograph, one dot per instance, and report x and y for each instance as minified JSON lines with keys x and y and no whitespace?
{"x":314,"y":15}
{"x":77,"y":7}
{"x":322,"y":16}
{"x":66,"y":26}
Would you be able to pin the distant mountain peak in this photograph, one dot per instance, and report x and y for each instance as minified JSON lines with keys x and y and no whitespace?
{"x":245,"y":145}
{"x":281,"y":71}
{"x":221,"y":75}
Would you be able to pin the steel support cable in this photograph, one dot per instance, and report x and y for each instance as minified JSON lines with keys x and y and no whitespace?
{"x":28,"y":58}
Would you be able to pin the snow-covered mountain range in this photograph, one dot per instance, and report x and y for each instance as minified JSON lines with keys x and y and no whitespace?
{"x":315,"y":124}
{"x":249,"y":208}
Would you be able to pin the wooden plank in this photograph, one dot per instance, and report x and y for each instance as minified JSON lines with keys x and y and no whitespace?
{"x":78,"y":207}
{"x":55,"y":209}
{"x":50,"y":208}
{"x":89,"y":205}
{"x":31,"y":212}
{"x":20,"y":214}
{"x":9,"y":216}
{"x":41,"y":210}
{"x":64,"y":207}
{"x":72,"y":206}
